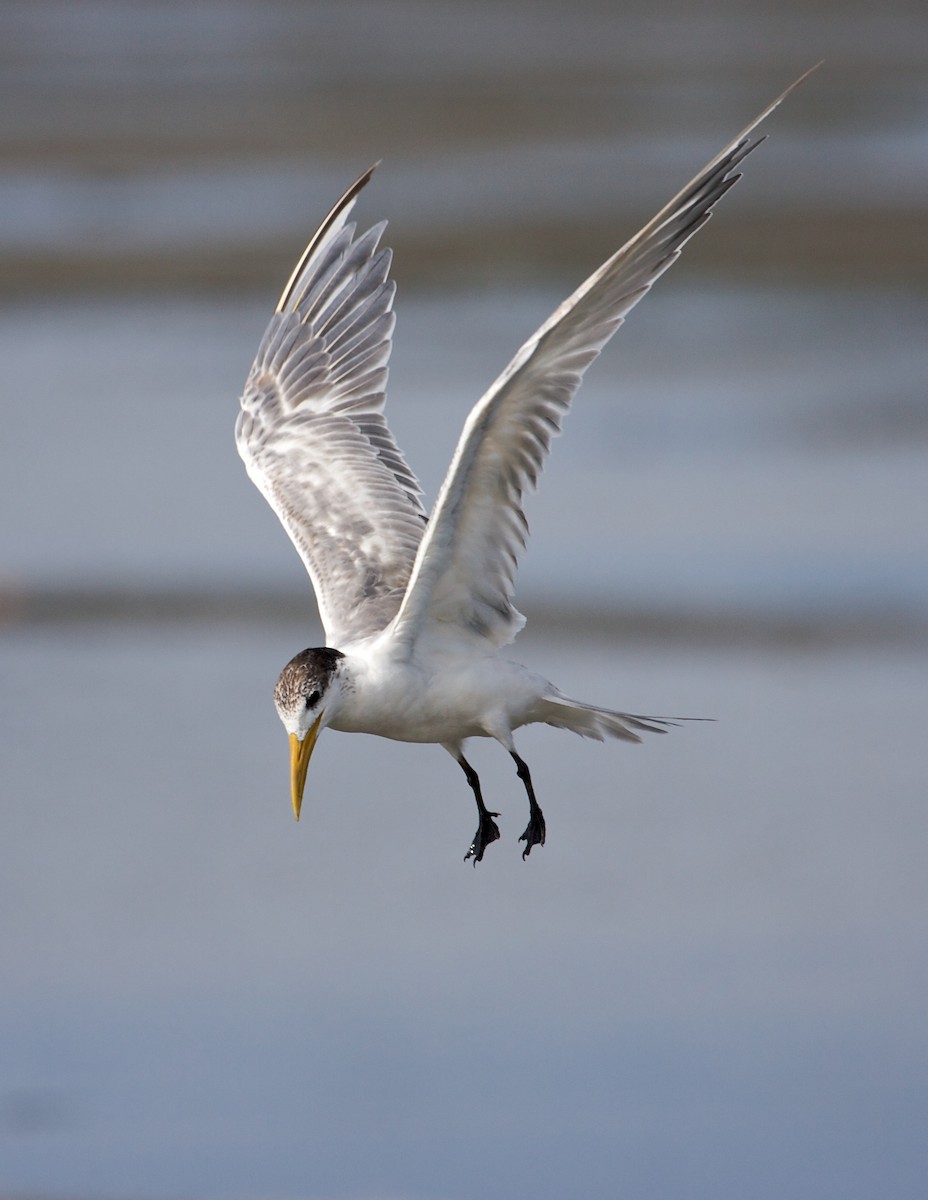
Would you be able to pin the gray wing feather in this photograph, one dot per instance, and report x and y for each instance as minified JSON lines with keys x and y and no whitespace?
{"x":462,"y":582}
{"x":313,"y":437}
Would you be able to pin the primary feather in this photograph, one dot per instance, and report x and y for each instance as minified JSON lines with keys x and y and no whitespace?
{"x":464,"y":574}
{"x":313,"y":436}
{"x":415,"y":611}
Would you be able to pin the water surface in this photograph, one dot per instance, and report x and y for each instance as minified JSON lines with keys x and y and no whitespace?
{"x":710,"y":982}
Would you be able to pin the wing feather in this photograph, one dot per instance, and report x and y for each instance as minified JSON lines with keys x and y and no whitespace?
{"x":463,"y":578}
{"x":313,"y":437}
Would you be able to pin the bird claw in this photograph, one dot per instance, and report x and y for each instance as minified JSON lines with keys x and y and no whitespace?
{"x":488,"y":831}
{"x":534,"y":833}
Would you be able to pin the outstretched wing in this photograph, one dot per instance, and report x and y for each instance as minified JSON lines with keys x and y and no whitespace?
{"x":462,"y":582}
{"x":313,"y":436}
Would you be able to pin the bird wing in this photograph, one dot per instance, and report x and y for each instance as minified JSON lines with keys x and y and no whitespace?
{"x":313,"y":437}
{"x":462,"y":582}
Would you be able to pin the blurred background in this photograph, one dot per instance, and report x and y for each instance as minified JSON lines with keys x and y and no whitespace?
{"x":711,"y":982}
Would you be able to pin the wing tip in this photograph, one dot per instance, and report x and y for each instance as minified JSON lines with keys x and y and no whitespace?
{"x":339,"y":209}
{"x":775,"y":103}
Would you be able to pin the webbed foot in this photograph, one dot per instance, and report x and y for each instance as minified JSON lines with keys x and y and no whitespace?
{"x":535,"y":829}
{"x":534,"y":832}
{"x":487,"y":831}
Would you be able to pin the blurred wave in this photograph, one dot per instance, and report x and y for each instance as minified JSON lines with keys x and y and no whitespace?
{"x":180,"y":146}
{"x":711,"y":983}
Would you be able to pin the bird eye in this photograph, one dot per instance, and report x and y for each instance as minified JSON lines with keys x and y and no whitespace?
{"x":312,"y":699}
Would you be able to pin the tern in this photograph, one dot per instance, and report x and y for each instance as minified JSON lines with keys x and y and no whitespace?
{"x":415,"y":607}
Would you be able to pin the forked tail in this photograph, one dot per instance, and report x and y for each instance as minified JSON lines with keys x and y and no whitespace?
{"x":599,"y":723}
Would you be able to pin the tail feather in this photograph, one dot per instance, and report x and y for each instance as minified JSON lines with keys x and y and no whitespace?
{"x":599,"y":723}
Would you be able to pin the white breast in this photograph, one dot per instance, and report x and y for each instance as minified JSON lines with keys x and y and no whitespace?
{"x":442,"y":702}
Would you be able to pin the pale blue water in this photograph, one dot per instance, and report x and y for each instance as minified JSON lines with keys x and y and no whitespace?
{"x":710,"y":982}
{"x":778,"y":481}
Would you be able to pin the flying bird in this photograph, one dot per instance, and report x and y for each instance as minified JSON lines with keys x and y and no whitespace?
{"x":416,"y":608}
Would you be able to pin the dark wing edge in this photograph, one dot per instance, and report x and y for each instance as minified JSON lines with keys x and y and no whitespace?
{"x":464,"y":574}
{"x":313,"y":436}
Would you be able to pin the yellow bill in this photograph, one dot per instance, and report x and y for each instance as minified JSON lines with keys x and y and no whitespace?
{"x":300,"y":754}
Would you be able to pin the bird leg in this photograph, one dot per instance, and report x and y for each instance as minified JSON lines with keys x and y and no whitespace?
{"x":535,"y":829}
{"x":487,"y":830}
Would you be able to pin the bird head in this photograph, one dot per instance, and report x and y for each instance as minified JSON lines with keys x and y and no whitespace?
{"x":305,"y":695}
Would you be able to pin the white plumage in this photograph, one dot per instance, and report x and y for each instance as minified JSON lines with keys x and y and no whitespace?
{"x":415,"y":609}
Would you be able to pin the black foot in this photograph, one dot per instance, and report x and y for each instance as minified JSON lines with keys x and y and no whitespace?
{"x":535,"y":829}
{"x":534,"y":832}
{"x":487,"y":831}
